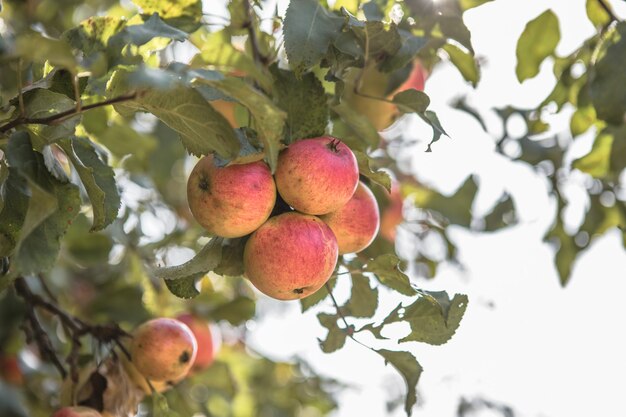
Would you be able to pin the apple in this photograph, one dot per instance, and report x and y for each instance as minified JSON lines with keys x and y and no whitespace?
{"x":163,"y":349}
{"x":230,"y":201}
{"x":355,"y":224}
{"x":76,"y":412}
{"x":375,"y":83}
{"x":202,"y":332}
{"x":317,"y":176}
{"x":291,"y":256}
{"x":10,"y":370}
{"x":226,"y":109}
{"x":392,"y":214}
{"x":141,"y":381}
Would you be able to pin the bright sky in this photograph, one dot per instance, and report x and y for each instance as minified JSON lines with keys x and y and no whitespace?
{"x":524,"y":341}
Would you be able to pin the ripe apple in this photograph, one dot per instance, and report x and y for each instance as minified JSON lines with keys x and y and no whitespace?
{"x":202,"y":332}
{"x":10,"y":370}
{"x":163,"y":349}
{"x":141,"y":381}
{"x":76,"y":412}
{"x":291,"y":256}
{"x":355,"y":224}
{"x":375,"y":83}
{"x":318,"y":175}
{"x":392,"y":214}
{"x":231,"y":201}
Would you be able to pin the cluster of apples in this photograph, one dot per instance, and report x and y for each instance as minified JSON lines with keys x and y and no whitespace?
{"x":291,"y":254}
{"x":163,"y":352}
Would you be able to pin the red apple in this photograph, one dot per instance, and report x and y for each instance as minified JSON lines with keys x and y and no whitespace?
{"x":416,"y":79}
{"x":10,"y":370}
{"x":202,"y":332}
{"x":76,"y":412}
{"x":291,"y":256}
{"x":355,"y":224}
{"x":392,"y":214}
{"x":317,"y":176}
{"x":231,"y":201}
{"x":163,"y":349}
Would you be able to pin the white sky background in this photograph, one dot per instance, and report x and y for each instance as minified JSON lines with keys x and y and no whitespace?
{"x":541,"y":349}
{"x":524,"y":341}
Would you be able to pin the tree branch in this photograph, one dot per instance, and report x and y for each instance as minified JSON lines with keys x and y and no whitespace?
{"x":254,"y":42}
{"x":59,"y":117}
{"x":74,"y":327}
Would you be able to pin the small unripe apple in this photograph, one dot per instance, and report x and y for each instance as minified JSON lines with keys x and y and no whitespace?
{"x":76,"y":412}
{"x":231,"y":201}
{"x":202,"y":332}
{"x":163,"y":349}
{"x":291,"y":256}
{"x":356,"y":223}
{"x":318,"y":175}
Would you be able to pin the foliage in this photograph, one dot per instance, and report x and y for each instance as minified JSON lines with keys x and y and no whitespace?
{"x":99,"y":124}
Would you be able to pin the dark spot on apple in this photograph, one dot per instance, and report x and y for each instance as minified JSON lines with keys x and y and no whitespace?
{"x":204,"y":183}
{"x":184,"y":357}
{"x":298,"y":291}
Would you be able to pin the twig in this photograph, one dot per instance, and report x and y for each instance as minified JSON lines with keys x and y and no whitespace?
{"x":20,"y":96}
{"x":254,"y":42}
{"x":39,"y":334}
{"x":59,"y":117}
{"x":73,"y":326}
{"x":76,"y":86}
{"x":332,"y":297}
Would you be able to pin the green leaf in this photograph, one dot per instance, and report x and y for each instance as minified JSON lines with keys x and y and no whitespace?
{"x":15,"y":197}
{"x":304,"y":101}
{"x":98,"y":179}
{"x":379,"y":177}
{"x":202,"y":129}
{"x":336,"y":337}
{"x":358,"y":123}
{"x":608,"y":79}
{"x":51,"y":209}
{"x":566,"y":253}
{"x":160,"y":407}
{"x":431,"y":118}
{"x":411,"y":101}
{"x":205,"y":261}
{"x":469,"y":4}
{"x":582,"y":119}
{"x":455,"y":208}
{"x":236,"y":311}
{"x":152,"y":28}
{"x":433,"y":319}
{"x":363,"y":299}
{"x":269,"y":119}
{"x":216,"y":49}
{"x":183,"y":14}
{"x":597,"y":162}
{"x":453,"y":27}
{"x":37,"y":48}
{"x":185,"y":287}
{"x":319,"y":295}
{"x":308,"y":29}
{"x":597,"y":14}
{"x":410,"y":370}
{"x":503,"y":214}
{"x":41,"y":103}
{"x":537,"y":42}
{"x":386,"y":268}
{"x":411,"y":45}
{"x":464,"y":62}
{"x":231,"y":263}
{"x":382,"y":39}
